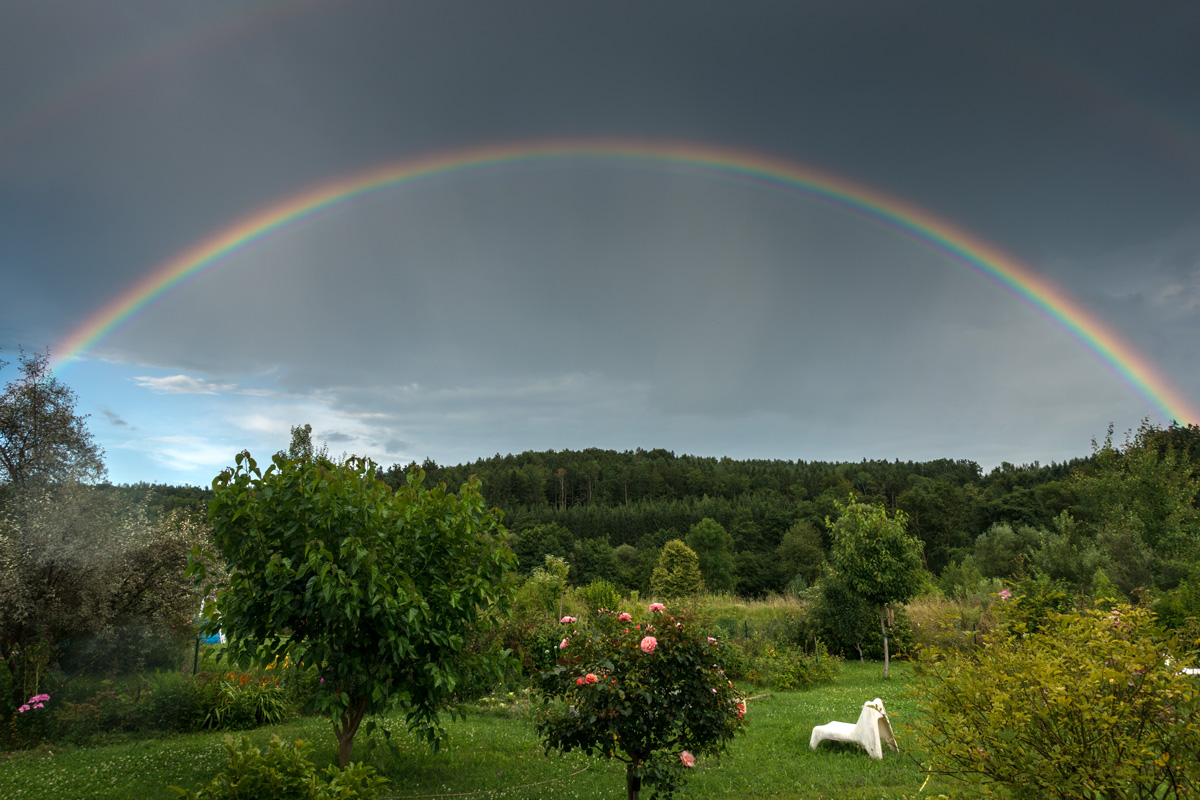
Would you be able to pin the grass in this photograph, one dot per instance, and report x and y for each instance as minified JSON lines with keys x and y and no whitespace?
{"x":494,"y":753}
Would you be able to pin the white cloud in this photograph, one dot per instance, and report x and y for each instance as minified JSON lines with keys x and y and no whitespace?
{"x":186,"y":384}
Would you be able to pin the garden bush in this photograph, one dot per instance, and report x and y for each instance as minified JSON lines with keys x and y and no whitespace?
{"x":284,"y":772}
{"x":1090,"y":704}
{"x":652,"y":695}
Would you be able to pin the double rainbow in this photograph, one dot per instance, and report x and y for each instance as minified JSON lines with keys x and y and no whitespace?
{"x":1130,"y":365}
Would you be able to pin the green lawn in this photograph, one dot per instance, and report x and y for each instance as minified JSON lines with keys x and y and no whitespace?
{"x":495,"y":754}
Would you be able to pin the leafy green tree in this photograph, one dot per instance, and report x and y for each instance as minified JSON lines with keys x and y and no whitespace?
{"x":1001,"y":550}
{"x":1090,"y":705}
{"x":652,"y":695}
{"x":548,"y":583}
{"x":1141,"y":501}
{"x":800,"y":552}
{"x":713,"y":546}
{"x":42,"y":439}
{"x":593,"y":560}
{"x":677,"y":573}
{"x":378,"y":589}
{"x":876,"y":558}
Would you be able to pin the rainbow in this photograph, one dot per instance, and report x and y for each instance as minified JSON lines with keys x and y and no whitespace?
{"x":741,"y":166}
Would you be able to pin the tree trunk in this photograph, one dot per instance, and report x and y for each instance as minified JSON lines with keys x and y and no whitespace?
{"x":633,"y":784}
{"x":883,"y":627}
{"x":345,"y":729}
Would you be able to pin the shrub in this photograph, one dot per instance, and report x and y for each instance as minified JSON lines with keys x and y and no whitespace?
{"x":600,"y":594}
{"x":651,"y":695}
{"x":1091,"y":705}
{"x":786,"y":668}
{"x":284,"y":772}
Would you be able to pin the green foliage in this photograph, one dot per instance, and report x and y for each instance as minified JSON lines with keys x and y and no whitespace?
{"x":1001,"y":550}
{"x":600,"y":594}
{"x":640,"y":693}
{"x":284,"y":772}
{"x":876,"y":559}
{"x":677,"y":573}
{"x":800,"y":553}
{"x":1140,"y":503}
{"x":380,"y":589}
{"x":534,"y":543}
{"x":42,"y":439}
{"x":91,"y":583}
{"x":593,"y":560}
{"x":543,"y":589}
{"x":713,"y":547}
{"x":790,"y":668}
{"x":1092,"y":705}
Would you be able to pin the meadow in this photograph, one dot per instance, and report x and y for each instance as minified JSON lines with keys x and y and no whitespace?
{"x":494,"y":753}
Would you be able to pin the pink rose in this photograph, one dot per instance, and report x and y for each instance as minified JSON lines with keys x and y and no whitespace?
{"x":625,"y":617}
{"x":567,"y":619}
{"x":563,"y":644}
{"x":648,"y":644}
{"x":741,"y":707}
{"x":590,"y":678}
{"x":659,"y":607}
{"x":687,"y":758}
{"x":579,"y":681}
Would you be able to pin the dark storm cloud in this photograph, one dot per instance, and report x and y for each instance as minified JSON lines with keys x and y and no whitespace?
{"x":577,"y":306}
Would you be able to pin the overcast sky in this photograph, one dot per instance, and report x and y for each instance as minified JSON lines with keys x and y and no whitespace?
{"x":603,"y":304}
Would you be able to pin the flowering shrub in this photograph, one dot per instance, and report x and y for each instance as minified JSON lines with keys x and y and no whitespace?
{"x":651,"y":695}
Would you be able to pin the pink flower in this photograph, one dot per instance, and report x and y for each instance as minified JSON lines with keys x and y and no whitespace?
{"x":625,"y":617}
{"x":659,"y":607}
{"x":741,"y":707}
{"x":648,"y":644}
{"x":579,"y":681}
{"x":563,"y":644}
{"x":23,"y":708}
{"x":687,"y":758}
{"x":590,"y":678}
{"x":1005,"y":594}
{"x":565,"y":620}
{"x":711,"y":640}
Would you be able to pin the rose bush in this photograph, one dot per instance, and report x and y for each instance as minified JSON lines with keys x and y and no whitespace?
{"x":651,"y":695}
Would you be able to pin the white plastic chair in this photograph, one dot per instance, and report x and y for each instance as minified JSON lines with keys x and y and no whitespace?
{"x":871,"y":730}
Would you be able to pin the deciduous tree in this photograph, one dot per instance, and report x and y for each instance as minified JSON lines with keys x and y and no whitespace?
{"x":378,"y":589}
{"x":876,"y":558}
{"x":42,"y":439}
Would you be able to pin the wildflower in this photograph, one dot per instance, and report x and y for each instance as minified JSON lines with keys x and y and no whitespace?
{"x":687,"y":758}
{"x":565,"y":620}
{"x":659,"y":607}
{"x":625,"y":617}
{"x":648,"y":644}
{"x":1005,"y":594}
